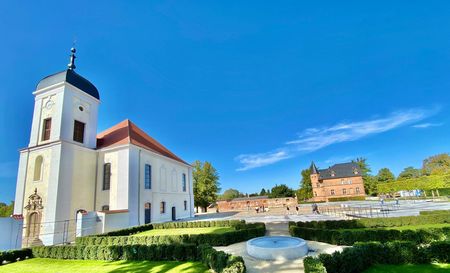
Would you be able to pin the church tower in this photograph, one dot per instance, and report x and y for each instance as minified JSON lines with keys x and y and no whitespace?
{"x":57,"y":170}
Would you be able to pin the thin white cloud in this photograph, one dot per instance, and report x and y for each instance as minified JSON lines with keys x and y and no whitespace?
{"x":426,"y":125}
{"x":8,"y":169}
{"x":251,"y":161}
{"x":313,"y":139}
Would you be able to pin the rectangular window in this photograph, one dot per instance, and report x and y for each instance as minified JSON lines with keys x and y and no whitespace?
{"x":184,"y":182}
{"x":106,"y":176}
{"x":46,"y":129}
{"x":344,"y":191}
{"x":148,"y":176}
{"x":78,"y":131}
{"x":357,"y":189}
{"x":185,"y":205}
{"x":162,"y":207}
{"x":317,"y":185}
{"x":332,"y":192}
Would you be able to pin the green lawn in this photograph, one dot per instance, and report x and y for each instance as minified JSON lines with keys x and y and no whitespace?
{"x":180,"y":231}
{"x":410,"y":268}
{"x":39,"y":265}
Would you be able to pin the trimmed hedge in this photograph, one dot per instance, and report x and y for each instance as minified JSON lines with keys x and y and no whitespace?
{"x":352,"y":198}
{"x":437,"y":218}
{"x":11,"y":256}
{"x":363,"y":255}
{"x":350,"y":236}
{"x":243,"y":232}
{"x":219,"y":261}
{"x":434,"y":212}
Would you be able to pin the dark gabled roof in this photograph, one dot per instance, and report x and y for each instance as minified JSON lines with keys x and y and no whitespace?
{"x":341,"y":170}
{"x":71,"y":77}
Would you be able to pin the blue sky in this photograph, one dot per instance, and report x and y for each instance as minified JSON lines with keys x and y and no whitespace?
{"x":258,"y":88}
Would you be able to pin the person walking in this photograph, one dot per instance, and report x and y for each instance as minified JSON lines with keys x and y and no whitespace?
{"x":296,"y":208}
{"x":287,"y":210}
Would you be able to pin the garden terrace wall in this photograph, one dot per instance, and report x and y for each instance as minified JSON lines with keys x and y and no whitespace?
{"x":245,"y":232}
{"x":363,"y":255}
{"x":14,"y":255}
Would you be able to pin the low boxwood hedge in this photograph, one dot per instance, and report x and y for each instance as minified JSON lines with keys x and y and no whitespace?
{"x":434,"y":212}
{"x":363,"y":255}
{"x":350,"y":236}
{"x":352,"y":198}
{"x":243,"y":232}
{"x":219,"y":261}
{"x":438,"y":218}
{"x":11,"y":256}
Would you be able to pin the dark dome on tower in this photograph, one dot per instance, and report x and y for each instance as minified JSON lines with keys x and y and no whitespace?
{"x":71,"y":77}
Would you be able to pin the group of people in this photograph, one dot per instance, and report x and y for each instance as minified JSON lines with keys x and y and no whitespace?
{"x":261,"y":209}
{"x":315,"y":209}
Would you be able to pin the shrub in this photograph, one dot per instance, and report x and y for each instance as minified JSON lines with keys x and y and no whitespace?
{"x":352,"y":198}
{"x":433,"y":212}
{"x":11,"y":256}
{"x":220,"y":261}
{"x":363,"y":255}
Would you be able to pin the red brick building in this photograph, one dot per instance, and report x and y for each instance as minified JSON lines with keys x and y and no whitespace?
{"x":339,"y":180}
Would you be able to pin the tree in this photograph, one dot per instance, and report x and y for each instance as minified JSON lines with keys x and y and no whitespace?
{"x":230,"y":194}
{"x":305,"y":190}
{"x":436,"y":165}
{"x":385,"y":175}
{"x":262,"y":192}
{"x":6,"y":210}
{"x":282,"y":191}
{"x":206,"y":184}
{"x":409,"y":172}
{"x":370,"y":184}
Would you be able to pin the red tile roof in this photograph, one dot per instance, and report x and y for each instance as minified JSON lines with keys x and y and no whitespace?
{"x":126,"y":132}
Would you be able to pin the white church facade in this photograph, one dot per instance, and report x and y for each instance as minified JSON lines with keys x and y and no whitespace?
{"x":68,"y":168}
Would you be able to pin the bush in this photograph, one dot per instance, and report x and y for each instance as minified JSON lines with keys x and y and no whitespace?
{"x":11,"y":256}
{"x":173,"y":252}
{"x":434,"y":212}
{"x":350,"y":236}
{"x":350,"y":198}
{"x":363,"y":255}
{"x":243,"y":232}
{"x":220,"y":261}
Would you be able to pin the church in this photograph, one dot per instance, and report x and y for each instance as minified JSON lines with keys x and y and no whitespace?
{"x":68,"y":169}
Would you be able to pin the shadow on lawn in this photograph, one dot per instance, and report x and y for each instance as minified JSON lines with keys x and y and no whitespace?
{"x":154,"y":267}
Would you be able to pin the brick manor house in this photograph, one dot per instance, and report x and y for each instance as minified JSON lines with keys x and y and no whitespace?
{"x":339,"y":180}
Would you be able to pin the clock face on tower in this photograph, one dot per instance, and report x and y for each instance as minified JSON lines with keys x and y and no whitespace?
{"x":49,"y":104}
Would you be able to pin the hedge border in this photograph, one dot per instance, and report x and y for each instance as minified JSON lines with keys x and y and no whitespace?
{"x":363,"y":255}
{"x":11,"y":256}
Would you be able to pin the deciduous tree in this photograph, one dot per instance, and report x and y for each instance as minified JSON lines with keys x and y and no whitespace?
{"x":281,"y":191}
{"x":436,"y":165}
{"x":206,"y":184}
{"x":409,"y":172}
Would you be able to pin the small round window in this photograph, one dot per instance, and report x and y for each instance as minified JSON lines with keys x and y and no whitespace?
{"x":81,"y":108}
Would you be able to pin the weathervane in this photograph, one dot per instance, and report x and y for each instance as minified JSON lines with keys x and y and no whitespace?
{"x":71,"y":64}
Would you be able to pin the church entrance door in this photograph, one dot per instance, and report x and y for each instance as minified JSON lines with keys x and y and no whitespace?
{"x":33,"y":225}
{"x":148,"y":213}
{"x":174,"y":214}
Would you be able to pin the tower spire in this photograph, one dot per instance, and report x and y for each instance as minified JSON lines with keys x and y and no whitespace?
{"x":71,"y":64}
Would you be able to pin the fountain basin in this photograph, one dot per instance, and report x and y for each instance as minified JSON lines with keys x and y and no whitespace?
{"x":277,"y":247}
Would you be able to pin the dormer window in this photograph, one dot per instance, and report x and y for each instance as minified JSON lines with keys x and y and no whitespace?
{"x":333,"y":173}
{"x":355,"y":171}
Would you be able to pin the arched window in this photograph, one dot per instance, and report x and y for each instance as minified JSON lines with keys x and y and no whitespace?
{"x":38,"y":166}
{"x":106,"y":176}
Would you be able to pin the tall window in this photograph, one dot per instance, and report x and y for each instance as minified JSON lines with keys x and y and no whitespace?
{"x":78,"y":131}
{"x":47,"y":127}
{"x":106,"y":176}
{"x":148,"y":176}
{"x":357,"y":189}
{"x":184,"y":182}
{"x":344,"y":191}
{"x":38,"y":164}
{"x":185,"y":205}
{"x":332,"y":192}
{"x":162,"y":207}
